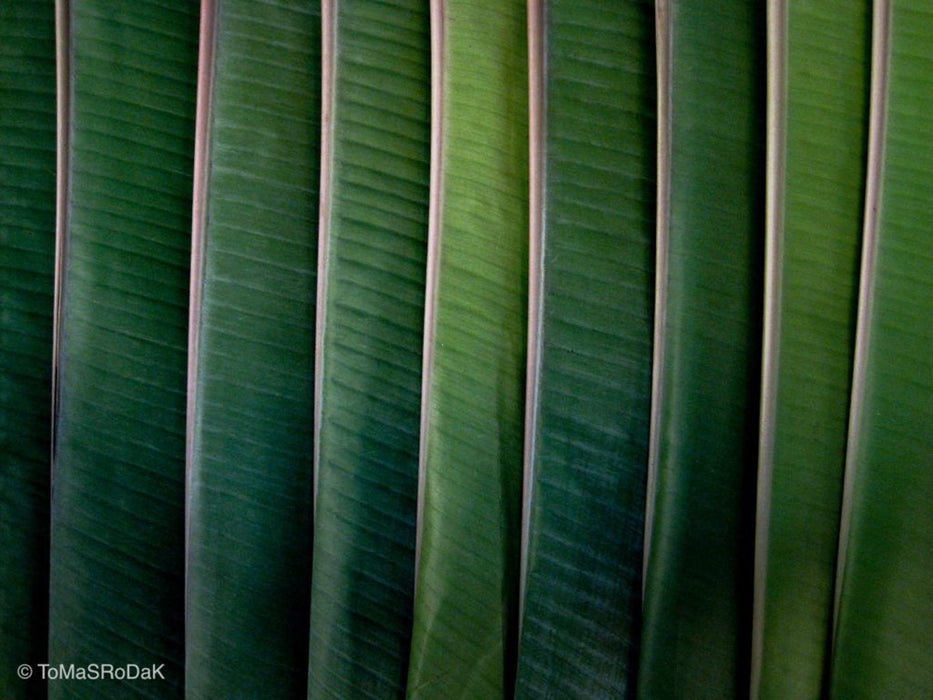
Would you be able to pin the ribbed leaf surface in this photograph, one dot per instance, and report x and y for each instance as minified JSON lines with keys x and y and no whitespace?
{"x":827,"y":54}
{"x":697,"y":598}
{"x":117,"y":559}
{"x":27,"y":252}
{"x":467,"y":584}
{"x":583,"y":591}
{"x":250,"y":481}
{"x":884,"y":639}
{"x":376,"y":245}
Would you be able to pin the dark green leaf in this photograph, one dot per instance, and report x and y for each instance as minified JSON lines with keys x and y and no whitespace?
{"x":697,"y":591}
{"x":593,"y":387}
{"x":27,"y":253}
{"x":117,"y":548}
{"x":374,"y":240}
{"x":251,"y":461}
{"x":884,"y":635}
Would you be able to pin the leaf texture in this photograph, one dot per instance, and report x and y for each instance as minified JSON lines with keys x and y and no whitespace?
{"x":251,"y":451}
{"x":465,"y":610}
{"x":815,"y":273}
{"x":884,"y":635}
{"x":117,"y":539}
{"x":592,"y":401}
{"x":374,"y":245}
{"x":27,"y":254}
{"x":698,"y":581}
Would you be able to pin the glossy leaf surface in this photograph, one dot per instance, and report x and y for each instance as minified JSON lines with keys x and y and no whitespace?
{"x":27,"y":252}
{"x":583,"y":592}
{"x":467,"y":584}
{"x":697,"y":591}
{"x":117,"y":547}
{"x":884,"y":638}
{"x":374,"y":265}
{"x":251,"y":461}
{"x":827,"y":55}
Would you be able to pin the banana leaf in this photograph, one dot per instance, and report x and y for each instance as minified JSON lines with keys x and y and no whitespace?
{"x":373,"y":250}
{"x":465,"y":610}
{"x":589,"y":408}
{"x":819,"y":130}
{"x":701,"y":505}
{"x":117,"y":519}
{"x":27,"y":255}
{"x":252,"y":361}
{"x":884,"y":634}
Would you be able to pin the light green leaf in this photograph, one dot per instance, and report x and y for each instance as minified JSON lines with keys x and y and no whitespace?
{"x":117,"y":547}
{"x":253,"y":363}
{"x":467,"y":583}
{"x":884,"y":634}
{"x":374,"y":245}
{"x":593,"y":276}
{"x":819,"y":71}
{"x":27,"y":253}
{"x":697,"y":590}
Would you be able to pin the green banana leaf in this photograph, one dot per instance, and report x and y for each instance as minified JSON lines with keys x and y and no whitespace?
{"x":465,"y":610}
{"x":591,"y":400}
{"x":27,"y":257}
{"x":820,"y":72}
{"x":884,"y":636}
{"x":374,"y":246}
{"x":117,"y":520}
{"x":697,"y":608}
{"x":252,"y":363}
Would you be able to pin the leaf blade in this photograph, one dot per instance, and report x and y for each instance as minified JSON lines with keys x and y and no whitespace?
{"x":27,"y":253}
{"x":117,"y":539}
{"x":594,"y":382}
{"x":375,"y":241}
{"x":800,"y":472}
{"x":250,"y":471}
{"x":699,"y":548}
{"x":883,"y":641}
{"x":464,"y":621}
